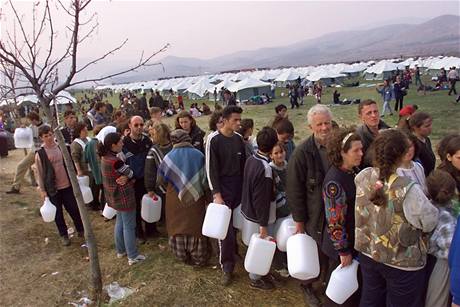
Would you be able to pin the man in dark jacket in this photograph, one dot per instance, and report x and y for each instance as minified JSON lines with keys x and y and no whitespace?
{"x":135,"y":148}
{"x":305,"y":174}
{"x":372,"y":124}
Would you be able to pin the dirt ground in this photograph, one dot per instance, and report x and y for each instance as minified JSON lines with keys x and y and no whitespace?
{"x":35,"y":270}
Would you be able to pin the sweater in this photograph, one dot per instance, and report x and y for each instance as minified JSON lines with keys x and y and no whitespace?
{"x":257,"y":189}
{"x":225,"y":157}
{"x":61,"y":180}
{"x":154,"y":158}
{"x":339,"y":192}
{"x":426,"y":155}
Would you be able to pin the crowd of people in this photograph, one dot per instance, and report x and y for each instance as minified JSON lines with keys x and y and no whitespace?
{"x":370,"y":192}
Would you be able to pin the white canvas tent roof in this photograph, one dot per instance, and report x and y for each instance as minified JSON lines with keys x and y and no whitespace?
{"x":288,"y":75}
{"x":382,"y":66}
{"x":201,"y":87}
{"x":247,"y":83}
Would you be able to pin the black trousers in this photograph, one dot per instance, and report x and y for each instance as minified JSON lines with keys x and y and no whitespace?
{"x":150,"y":228}
{"x":65,"y":198}
{"x":231,"y":189}
{"x":399,"y":103}
{"x":452,"y":87}
{"x":384,"y":286}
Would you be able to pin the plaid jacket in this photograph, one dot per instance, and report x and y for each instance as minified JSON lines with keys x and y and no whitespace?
{"x":120,"y":198}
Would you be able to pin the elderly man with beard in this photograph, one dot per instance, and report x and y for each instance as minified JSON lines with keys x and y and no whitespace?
{"x":305,"y":174}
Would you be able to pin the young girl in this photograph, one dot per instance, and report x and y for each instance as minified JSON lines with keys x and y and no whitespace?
{"x":441,"y":187}
{"x":117,"y":179}
{"x":410,"y":168}
{"x":279,"y":167}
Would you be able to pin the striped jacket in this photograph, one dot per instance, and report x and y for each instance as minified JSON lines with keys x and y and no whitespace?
{"x":119,"y":197}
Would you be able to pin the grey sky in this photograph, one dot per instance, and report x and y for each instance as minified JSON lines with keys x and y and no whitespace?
{"x":210,"y":29}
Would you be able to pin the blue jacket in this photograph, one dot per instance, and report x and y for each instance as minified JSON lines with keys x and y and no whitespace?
{"x":454,"y":264}
{"x":386,"y":92}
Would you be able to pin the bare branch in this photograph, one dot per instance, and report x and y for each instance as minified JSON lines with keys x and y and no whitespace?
{"x":142,"y":63}
{"x":111,"y":52}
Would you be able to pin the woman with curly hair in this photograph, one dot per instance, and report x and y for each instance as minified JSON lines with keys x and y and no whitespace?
{"x":345,"y":151}
{"x":391,"y":215}
{"x":185,"y":121}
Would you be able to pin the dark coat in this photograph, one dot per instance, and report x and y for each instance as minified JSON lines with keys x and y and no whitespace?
{"x":304,"y":184}
{"x":197,"y":136}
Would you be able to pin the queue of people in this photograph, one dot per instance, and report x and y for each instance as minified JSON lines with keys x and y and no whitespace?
{"x":371,"y":192}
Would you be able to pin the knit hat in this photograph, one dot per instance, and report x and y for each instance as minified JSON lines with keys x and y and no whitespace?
{"x":180,"y":136}
{"x":407,"y":110}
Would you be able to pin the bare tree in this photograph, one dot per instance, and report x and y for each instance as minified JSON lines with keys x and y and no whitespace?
{"x":35,"y":68}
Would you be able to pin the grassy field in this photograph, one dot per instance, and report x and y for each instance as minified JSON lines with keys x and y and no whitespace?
{"x":30,"y":250}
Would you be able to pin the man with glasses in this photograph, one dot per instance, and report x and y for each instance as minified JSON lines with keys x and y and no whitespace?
{"x":135,"y":148}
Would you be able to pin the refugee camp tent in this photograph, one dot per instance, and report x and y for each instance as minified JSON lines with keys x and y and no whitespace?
{"x":200,"y":89}
{"x":224,"y":84}
{"x":287,"y":76}
{"x":382,"y":70}
{"x":249,"y":87}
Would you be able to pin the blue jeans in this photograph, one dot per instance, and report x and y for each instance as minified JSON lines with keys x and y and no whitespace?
{"x":125,"y":233}
{"x":386,"y":106}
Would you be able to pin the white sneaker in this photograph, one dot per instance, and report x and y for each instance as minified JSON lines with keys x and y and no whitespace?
{"x":138,"y":258}
{"x":119,"y":256}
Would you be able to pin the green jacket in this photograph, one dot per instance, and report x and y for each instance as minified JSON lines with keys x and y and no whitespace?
{"x":93,"y":159}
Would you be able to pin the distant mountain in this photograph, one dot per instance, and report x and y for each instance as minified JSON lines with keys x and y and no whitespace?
{"x":440,"y":35}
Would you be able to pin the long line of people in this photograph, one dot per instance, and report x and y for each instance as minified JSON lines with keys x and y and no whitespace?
{"x":370,"y":193}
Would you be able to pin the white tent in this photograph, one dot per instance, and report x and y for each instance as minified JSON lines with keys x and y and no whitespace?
{"x":199,"y":89}
{"x":288,"y":75}
{"x":249,"y":87}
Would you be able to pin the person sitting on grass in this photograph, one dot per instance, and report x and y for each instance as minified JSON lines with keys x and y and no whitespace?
{"x":118,"y":181}
{"x":258,"y":193}
{"x":54,"y":183}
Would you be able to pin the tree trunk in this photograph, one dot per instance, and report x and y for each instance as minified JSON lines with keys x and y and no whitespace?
{"x":96,"y":277}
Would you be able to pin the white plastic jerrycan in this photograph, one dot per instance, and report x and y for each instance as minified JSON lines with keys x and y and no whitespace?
{"x":260,"y":254}
{"x":48,"y":211}
{"x":343,"y":282}
{"x":285,"y":230}
{"x":216,"y":221}
{"x":151,"y":208}
{"x":272,"y":216}
{"x":249,"y":228}
{"x":87,"y":194}
{"x":83,"y":181}
{"x":109,"y":212}
{"x":302,"y":257}
{"x":238,"y":218}
{"x":23,"y":138}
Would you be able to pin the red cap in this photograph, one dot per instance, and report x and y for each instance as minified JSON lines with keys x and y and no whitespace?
{"x":407,"y":110}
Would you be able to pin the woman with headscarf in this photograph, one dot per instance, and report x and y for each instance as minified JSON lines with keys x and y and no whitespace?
{"x":182,"y":174}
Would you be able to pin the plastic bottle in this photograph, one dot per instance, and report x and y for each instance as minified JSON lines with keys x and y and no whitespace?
{"x":285,"y":230}
{"x":238,"y":218}
{"x":109,"y":212}
{"x":302,"y":257}
{"x":249,"y":228}
{"x":216,"y":221}
{"x":48,"y":211}
{"x":343,"y":282}
{"x":87,"y":194}
{"x":23,"y":138}
{"x":83,"y":180}
{"x":259,"y":255}
{"x":151,"y":208}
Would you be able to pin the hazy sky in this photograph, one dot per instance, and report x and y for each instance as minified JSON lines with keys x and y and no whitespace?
{"x":210,"y":29}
